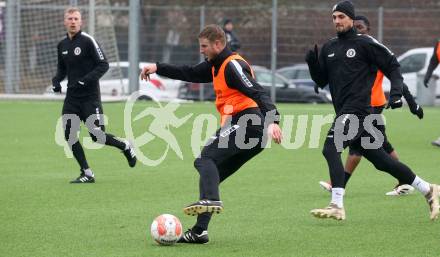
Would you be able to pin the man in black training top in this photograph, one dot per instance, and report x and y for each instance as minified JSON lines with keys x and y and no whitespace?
{"x":82,"y":60}
{"x":345,"y":63}
{"x":378,"y":103}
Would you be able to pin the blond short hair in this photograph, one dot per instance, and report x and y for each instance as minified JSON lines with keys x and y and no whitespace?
{"x":72,"y":9}
{"x":213,"y":32}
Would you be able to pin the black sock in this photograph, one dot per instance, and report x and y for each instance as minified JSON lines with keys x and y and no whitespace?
{"x":112,"y":141}
{"x":347,"y":177}
{"x":79,"y":155}
{"x":202,"y":222}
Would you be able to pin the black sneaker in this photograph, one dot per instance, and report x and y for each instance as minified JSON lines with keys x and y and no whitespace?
{"x":83,"y":178}
{"x":192,"y":238}
{"x":130,"y":155}
{"x":203,"y":206}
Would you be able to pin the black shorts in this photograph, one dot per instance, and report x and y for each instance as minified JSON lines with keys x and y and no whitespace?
{"x":85,"y":109}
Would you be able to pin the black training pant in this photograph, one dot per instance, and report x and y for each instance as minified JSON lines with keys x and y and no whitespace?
{"x":225,"y":152}
{"x":378,"y":157}
{"x":85,"y":109}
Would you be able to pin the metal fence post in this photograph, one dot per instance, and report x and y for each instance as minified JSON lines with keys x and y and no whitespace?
{"x":380,"y":24}
{"x":10,"y":60}
{"x":17,"y":55}
{"x":273,"y":62}
{"x":133,"y":46}
{"x":202,"y":25}
{"x":92,"y":17}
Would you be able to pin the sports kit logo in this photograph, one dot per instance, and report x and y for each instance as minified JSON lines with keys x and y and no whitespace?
{"x":351,"y":53}
{"x":77,"y":51}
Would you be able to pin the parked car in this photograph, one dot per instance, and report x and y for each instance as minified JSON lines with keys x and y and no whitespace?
{"x":298,"y":74}
{"x":115,"y":83}
{"x":414,"y":62}
{"x":285,"y":90}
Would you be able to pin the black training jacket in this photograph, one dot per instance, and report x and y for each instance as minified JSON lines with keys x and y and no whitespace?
{"x":202,"y":73}
{"x":82,"y":60}
{"x":348,"y":63}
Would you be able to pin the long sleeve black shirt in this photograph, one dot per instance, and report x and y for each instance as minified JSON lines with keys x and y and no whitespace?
{"x":348,"y":64}
{"x":83,"y":61}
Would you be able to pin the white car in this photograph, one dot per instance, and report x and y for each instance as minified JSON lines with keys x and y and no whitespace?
{"x":414,"y":63}
{"x":115,"y":83}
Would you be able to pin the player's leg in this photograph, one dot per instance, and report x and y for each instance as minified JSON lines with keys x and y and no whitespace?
{"x":345,"y":130}
{"x":332,"y":154}
{"x":92,"y":115}
{"x":384,"y":162}
{"x":220,"y":148}
{"x":230,"y":166}
{"x":224,"y":161}
{"x":336,"y":208}
{"x":71,"y":125}
{"x":353,"y":159}
{"x":401,"y":188}
{"x":206,"y":165}
{"x":226,"y":169}
{"x":209,"y":193}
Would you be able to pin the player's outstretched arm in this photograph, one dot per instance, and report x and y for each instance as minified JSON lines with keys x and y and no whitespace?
{"x":200,"y":73}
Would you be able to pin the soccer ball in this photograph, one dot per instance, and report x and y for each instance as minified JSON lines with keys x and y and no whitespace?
{"x":166,"y":229}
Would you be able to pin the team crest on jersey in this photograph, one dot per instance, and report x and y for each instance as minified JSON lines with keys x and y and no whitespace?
{"x":351,"y":53}
{"x":77,"y":51}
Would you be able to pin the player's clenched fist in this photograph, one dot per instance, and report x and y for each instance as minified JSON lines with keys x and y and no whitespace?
{"x":147,"y":70}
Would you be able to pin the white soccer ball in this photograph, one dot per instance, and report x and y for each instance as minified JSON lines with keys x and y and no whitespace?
{"x":166,"y":229}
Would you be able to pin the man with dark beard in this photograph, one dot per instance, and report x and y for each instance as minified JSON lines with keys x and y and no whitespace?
{"x":344,"y":63}
{"x":378,"y":102}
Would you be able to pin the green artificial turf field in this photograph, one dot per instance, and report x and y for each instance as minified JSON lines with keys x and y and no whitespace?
{"x":267,"y":203}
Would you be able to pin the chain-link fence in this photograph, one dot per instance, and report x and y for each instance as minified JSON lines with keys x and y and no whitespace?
{"x":168,"y":31}
{"x":28,"y":49}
